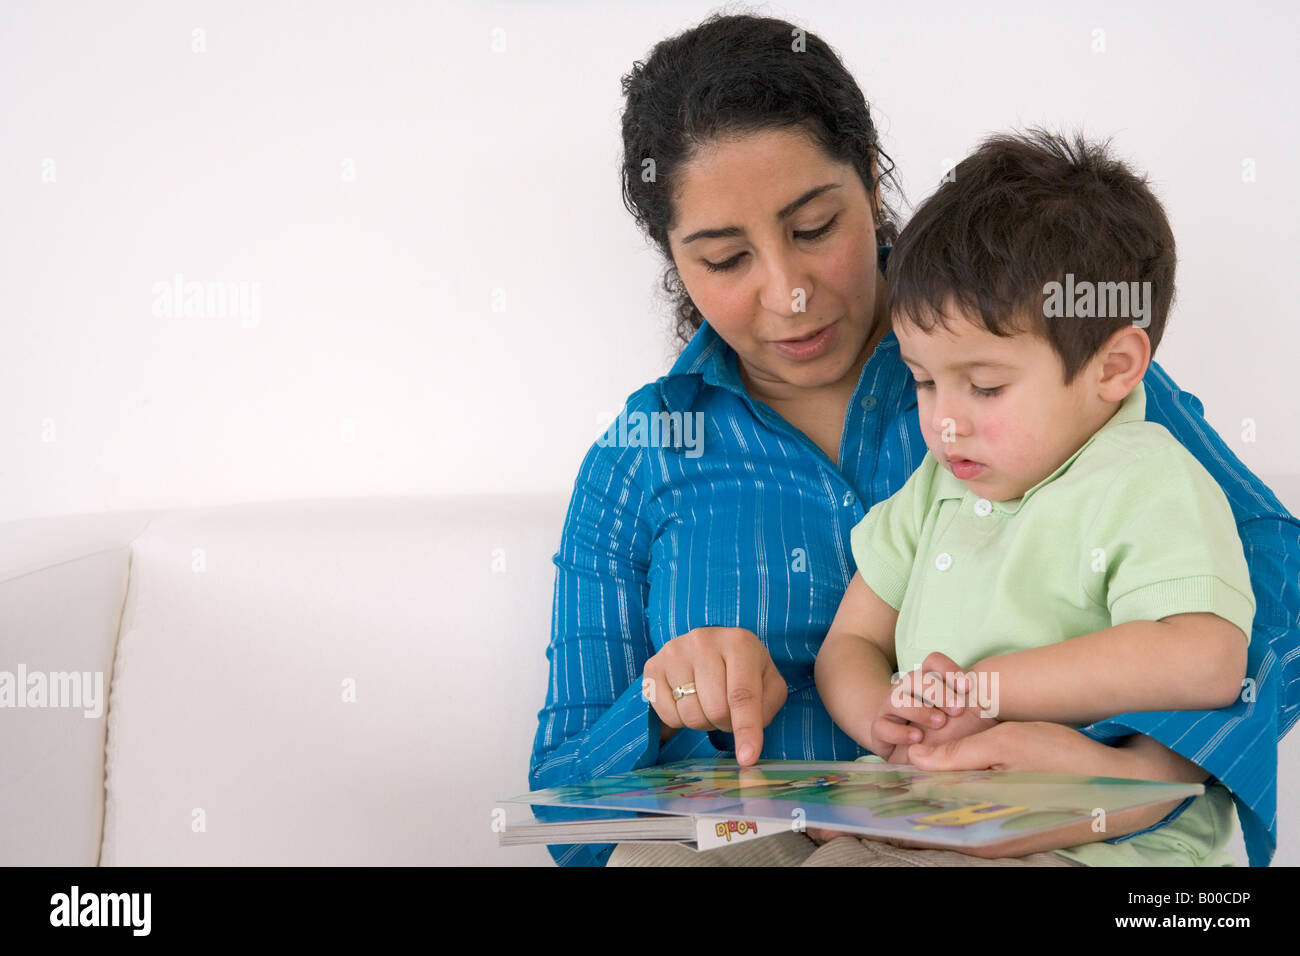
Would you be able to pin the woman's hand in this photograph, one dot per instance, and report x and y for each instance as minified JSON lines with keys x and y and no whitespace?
{"x":1045,"y":747}
{"x":737,"y":687}
{"x":1037,"y":746}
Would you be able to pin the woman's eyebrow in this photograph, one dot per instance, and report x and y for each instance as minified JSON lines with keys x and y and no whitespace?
{"x":785,"y":213}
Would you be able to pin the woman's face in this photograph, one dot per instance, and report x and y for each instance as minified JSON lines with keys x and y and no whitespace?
{"x":776,"y":244}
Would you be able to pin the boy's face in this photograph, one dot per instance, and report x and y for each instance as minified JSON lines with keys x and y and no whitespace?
{"x":994,"y":410}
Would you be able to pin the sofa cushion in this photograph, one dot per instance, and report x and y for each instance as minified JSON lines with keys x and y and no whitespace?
{"x":330,"y":682}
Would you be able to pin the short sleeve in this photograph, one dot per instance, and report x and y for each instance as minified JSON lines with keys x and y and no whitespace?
{"x":1165,"y":542}
{"x":884,"y":542}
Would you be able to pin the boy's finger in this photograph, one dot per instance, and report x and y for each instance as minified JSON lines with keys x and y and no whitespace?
{"x":916,"y":711}
{"x":891,"y":731}
{"x":962,"y":685}
{"x":954,"y":682}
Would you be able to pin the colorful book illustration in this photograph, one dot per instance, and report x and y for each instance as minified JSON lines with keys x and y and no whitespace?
{"x":712,"y":803}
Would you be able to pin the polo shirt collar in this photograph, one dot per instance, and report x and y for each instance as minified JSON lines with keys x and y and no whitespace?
{"x":1132,"y":409}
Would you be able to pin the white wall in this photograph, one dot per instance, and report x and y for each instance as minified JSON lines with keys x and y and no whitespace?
{"x":376,"y":364}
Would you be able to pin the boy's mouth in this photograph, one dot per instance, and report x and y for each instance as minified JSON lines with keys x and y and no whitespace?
{"x":964,"y":468}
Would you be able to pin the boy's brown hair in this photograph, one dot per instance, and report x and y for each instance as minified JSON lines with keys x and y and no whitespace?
{"x":1022,"y":212}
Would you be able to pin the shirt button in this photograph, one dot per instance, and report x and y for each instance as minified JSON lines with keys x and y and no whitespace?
{"x":943,"y":562}
{"x":849,"y":498}
{"x":983,"y":507}
{"x":869,"y":402}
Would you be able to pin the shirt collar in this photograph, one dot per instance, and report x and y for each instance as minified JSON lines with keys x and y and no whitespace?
{"x":707,"y":359}
{"x":1132,"y":409}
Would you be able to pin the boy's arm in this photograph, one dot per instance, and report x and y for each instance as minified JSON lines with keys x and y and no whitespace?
{"x":856,"y":661}
{"x":1181,"y":662}
{"x":1164,"y":559}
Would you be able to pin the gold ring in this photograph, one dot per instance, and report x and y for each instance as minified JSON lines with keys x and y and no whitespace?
{"x":685,"y":689}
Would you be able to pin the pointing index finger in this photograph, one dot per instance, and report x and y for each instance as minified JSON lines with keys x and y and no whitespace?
{"x":745,"y":699}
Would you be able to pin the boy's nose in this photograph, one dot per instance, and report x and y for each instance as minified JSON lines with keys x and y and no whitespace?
{"x":948,"y":419}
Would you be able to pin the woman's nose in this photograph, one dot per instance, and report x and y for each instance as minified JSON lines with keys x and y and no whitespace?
{"x":787,"y":287}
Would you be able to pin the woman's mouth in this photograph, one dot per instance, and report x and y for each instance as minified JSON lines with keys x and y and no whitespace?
{"x":810,"y":346}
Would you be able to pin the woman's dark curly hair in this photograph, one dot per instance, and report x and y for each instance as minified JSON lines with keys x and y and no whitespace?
{"x":736,"y":74}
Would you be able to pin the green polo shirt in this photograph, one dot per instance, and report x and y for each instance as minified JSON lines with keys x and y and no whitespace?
{"x":1130,"y":528}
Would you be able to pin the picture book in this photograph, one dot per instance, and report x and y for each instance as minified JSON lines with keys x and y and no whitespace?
{"x":713,"y":803}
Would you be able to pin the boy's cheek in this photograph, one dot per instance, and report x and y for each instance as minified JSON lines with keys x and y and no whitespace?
{"x":1010,"y":444}
{"x":1013,"y":434}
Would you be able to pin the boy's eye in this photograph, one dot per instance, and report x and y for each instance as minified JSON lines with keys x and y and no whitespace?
{"x":983,"y":392}
{"x":807,"y":236}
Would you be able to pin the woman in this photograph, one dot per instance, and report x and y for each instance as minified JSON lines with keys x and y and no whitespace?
{"x":709,"y":555}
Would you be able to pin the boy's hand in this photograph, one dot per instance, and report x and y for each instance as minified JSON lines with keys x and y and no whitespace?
{"x":921,"y":704}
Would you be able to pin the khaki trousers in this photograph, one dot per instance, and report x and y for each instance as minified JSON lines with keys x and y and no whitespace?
{"x":798,"y":849}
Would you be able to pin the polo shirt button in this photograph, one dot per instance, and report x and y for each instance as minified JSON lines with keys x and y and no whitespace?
{"x":983,"y":507}
{"x":849,"y":498}
{"x":869,"y":402}
{"x":943,"y":562}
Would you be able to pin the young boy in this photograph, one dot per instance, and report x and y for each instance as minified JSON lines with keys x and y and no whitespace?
{"x":1072,"y":558}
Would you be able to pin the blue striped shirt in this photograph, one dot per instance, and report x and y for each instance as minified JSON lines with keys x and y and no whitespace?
{"x":754,"y":533}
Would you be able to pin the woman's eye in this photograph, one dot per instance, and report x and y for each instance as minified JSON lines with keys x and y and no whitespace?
{"x":923,"y":384}
{"x":818,"y":232}
{"x":724,"y":266}
{"x":807,"y":236}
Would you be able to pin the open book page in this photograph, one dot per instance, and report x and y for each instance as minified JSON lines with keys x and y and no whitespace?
{"x":980,"y":812}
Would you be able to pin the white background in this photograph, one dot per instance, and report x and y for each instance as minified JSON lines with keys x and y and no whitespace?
{"x":377,"y":365}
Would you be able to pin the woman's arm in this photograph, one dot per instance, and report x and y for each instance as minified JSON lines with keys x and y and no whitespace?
{"x":1237,"y":744}
{"x":1041,"y":747}
{"x":595,"y":721}
{"x":1152,"y":760}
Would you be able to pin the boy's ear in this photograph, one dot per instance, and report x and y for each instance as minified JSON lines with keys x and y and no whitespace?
{"x":1125,"y":359}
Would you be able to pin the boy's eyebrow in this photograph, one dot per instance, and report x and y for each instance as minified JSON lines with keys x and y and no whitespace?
{"x":785,"y":213}
{"x":962,"y":366}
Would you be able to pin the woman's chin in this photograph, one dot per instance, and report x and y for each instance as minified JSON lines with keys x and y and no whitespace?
{"x":819,"y":373}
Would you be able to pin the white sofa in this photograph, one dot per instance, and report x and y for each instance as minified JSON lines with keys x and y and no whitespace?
{"x":230,"y":638}
{"x":227,"y":635}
